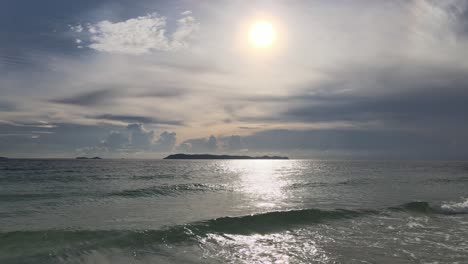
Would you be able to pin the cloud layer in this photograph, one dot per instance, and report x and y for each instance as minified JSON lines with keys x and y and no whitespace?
{"x":357,"y":78}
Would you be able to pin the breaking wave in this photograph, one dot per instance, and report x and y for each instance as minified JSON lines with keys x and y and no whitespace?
{"x":62,"y":242}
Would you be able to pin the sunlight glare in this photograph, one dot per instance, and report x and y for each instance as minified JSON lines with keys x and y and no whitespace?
{"x":262,"y":34}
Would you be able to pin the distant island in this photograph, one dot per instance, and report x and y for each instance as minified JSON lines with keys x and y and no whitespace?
{"x":3,"y":158}
{"x":209,"y":156}
{"x":85,"y":158}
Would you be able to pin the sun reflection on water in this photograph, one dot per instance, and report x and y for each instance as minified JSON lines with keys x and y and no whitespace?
{"x":263,"y":181}
{"x":299,"y":246}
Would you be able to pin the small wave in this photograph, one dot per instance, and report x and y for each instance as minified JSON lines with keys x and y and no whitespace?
{"x":167,"y":190}
{"x":352,"y":182}
{"x":449,"y":180}
{"x":29,"y":196}
{"x":307,"y":185}
{"x":425,"y":207}
{"x":418,"y":207}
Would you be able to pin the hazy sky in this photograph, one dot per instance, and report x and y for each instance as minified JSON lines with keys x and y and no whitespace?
{"x":126,"y":78}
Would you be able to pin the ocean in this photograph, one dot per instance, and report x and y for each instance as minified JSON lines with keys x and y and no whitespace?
{"x":233,"y":211}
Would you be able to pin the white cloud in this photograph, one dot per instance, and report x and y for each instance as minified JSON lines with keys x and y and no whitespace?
{"x":139,"y":35}
{"x":186,"y":27}
{"x":77,"y":28}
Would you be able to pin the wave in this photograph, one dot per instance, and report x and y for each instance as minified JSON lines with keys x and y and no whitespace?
{"x":167,"y":190}
{"x":352,"y":182}
{"x":41,"y":243}
{"x":30,"y":196}
{"x":163,"y":190}
{"x":449,"y":208}
{"x":415,"y":207}
{"x":450,"y":180}
{"x":66,"y":242}
{"x":271,"y":221}
{"x":254,"y":223}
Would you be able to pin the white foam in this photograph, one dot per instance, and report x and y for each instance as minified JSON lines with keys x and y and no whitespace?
{"x":455,"y":208}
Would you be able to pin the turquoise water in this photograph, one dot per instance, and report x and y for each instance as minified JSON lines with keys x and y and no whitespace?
{"x":233,"y":211}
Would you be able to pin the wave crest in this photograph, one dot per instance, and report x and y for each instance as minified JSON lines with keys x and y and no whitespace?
{"x":455,"y":208}
{"x":263,"y":223}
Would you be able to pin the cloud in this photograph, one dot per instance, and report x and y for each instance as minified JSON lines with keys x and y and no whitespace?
{"x":234,"y":143}
{"x":140,"y":138}
{"x":336,"y":144}
{"x":137,"y":119}
{"x":6,"y":106}
{"x":140,"y":35}
{"x":52,"y":140}
{"x":199,"y":145}
{"x":5,"y":124}
{"x":77,"y":28}
{"x":116,"y":140}
{"x":399,"y":96}
{"x":135,"y":138}
{"x":166,"y":93}
{"x":87,"y":98}
{"x":166,"y":142}
{"x":406,"y":107}
{"x":186,"y":27}
{"x":406,"y":73}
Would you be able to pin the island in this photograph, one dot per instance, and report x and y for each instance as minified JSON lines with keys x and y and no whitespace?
{"x":86,"y":158}
{"x":3,"y":158}
{"x":210,"y":156}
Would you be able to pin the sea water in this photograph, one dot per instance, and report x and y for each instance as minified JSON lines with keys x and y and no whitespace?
{"x":233,"y":211}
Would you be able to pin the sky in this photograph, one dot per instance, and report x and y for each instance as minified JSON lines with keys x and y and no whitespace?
{"x":141,"y":79}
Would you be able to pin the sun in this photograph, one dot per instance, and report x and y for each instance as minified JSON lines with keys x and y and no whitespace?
{"x":262,"y":34}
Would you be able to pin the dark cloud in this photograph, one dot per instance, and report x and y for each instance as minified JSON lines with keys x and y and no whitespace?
{"x":137,"y":119}
{"x":402,"y":107}
{"x":377,"y":143}
{"x":234,"y":143}
{"x":96,"y":98}
{"x":6,"y":106}
{"x":197,"y":66}
{"x":395,"y":97}
{"x":212,"y":144}
{"x":167,"y":92}
{"x":87,"y":99}
{"x":116,"y":140}
{"x":459,"y":14}
{"x":69,"y":140}
{"x":140,"y":138}
{"x":58,"y":139}
{"x":166,"y":142}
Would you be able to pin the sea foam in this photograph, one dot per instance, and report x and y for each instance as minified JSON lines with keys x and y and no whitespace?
{"x":455,"y":208}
